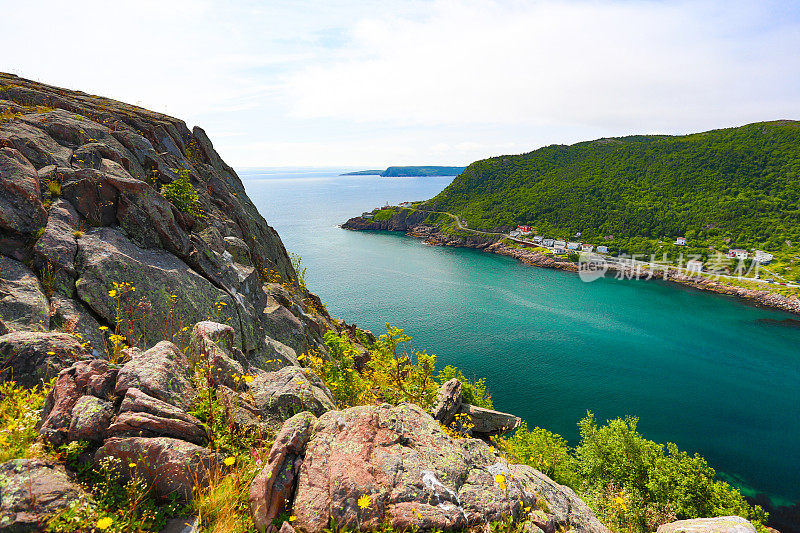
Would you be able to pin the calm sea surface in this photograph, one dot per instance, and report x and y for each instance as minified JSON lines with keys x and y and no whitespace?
{"x":702,"y":370}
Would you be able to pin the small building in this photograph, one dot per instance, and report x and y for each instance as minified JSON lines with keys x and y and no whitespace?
{"x":524,"y":229}
{"x":406,"y":204}
{"x":548,"y":242}
{"x":537,"y":239}
{"x":367,"y":215}
{"x":694,"y":266}
{"x":514,"y":233}
{"x":680,"y":241}
{"x":559,"y":251}
{"x":559,"y":244}
{"x":573,"y":245}
{"x":602,"y":249}
{"x":587,"y":248}
{"x":737,"y":253}
{"x":763,"y":257}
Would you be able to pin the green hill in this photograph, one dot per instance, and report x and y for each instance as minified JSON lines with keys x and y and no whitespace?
{"x":741,"y":184}
{"x":398,"y":172}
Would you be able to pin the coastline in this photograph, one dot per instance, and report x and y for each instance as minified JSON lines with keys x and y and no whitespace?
{"x":411,"y":223}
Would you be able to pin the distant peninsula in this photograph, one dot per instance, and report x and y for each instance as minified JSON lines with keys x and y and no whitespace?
{"x":407,"y":172}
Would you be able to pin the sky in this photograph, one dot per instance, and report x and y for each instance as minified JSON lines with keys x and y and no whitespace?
{"x":369,"y":83}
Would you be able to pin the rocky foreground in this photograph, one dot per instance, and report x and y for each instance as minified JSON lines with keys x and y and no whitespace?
{"x":144,"y":309}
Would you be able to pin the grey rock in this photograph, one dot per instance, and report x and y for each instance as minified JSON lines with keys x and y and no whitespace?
{"x":448,"y":402}
{"x":23,"y":303}
{"x":487,"y":422}
{"x":91,"y":417}
{"x":106,"y":256}
{"x":57,"y":244}
{"x":282,"y":394}
{"x":186,"y":524}
{"x":29,"y":357}
{"x":31,"y":491}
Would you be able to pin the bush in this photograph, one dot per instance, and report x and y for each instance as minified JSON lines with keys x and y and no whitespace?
{"x":545,"y":451}
{"x":634,"y":484}
{"x":472,"y":393}
{"x":20,"y":410}
{"x":182,"y":194}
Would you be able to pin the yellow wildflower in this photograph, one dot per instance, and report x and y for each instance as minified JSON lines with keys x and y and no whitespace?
{"x":249,"y":378}
{"x":292,"y":518}
{"x":132,"y":465}
{"x":364,"y":501}
{"x":229,"y":461}
{"x":500,"y":479}
{"x":103,"y":328}
{"x":619,"y":500}
{"x":112,"y":292}
{"x":104,"y":523}
{"x":51,"y":353}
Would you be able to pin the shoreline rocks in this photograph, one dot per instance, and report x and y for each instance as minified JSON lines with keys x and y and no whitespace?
{"x":489,"y":244}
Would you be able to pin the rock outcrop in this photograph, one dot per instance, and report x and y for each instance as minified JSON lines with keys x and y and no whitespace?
{"x":373,"y":465}
{"x":82,"y":208}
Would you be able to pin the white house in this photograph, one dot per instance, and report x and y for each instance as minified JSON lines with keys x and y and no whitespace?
{"x":559,"y":251}
{"x":602,"y":249}
{"x":406,"y":204}
{"x":587,"y":248}
{"x":573,"y":245}
{"x":537,"y":239}
{"x":737,"y":254}
{"x":559,"y":244}
{"x":548,"y":242}
{"x":524,"y":229}
{"x":763,"y":257}
{"x":680,"y":241}
{"x":694,"y":266}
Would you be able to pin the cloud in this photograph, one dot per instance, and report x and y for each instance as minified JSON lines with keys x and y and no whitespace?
{"x":646,"y":66}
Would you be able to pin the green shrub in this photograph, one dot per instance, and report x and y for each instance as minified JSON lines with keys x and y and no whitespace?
{"x":383,"y":215}
{"x":633,"y":484}
{"x":545,"y":451}
{"x":20,"y":410}
{"x":182,"y":194}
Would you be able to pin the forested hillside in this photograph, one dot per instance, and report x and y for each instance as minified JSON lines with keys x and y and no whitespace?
{"x":740,"y":183}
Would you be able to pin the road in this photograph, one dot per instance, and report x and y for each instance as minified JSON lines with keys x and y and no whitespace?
{"x":609,"y":258}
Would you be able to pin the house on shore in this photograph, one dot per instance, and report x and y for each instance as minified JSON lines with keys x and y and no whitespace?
{"x":559,"y":251}
{"x":737,"y":253}
{"x":559,"y":244}
{"x":367,"y":215}
{"x":588,"y":248}
{"x":524,"y":230}
{"x":602,"y":249}
{"x":573,"y":245}
{"x":537,"y":239}
{"x":548,"y":242}
{"x":763,"y":257}
{"x":680,"y":241}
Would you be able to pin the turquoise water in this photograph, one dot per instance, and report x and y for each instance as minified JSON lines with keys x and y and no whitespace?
{"x":702,"y":370}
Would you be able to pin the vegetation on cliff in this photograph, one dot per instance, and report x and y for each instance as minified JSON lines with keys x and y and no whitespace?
{"x":737,"y":186}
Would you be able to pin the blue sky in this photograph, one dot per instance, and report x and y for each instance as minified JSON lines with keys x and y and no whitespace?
{"x":378,"y":83}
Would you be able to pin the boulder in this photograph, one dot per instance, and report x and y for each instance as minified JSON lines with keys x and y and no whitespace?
{"x":73,"y":317}
{"x":31,"y":491}
{"x":448,"y":402}
{"x":282,"y":394}
{"x":84,"y":377}
{"x":91,"y":417}
{"x":487,"y":422}
{"x":172,"y":467}
{"x":414,"y":475}
{"x":141,"y":415}
{"x":162,"y":372}
{"x":722,"y":524}
{"x":23,"y":304}
{"x":186,"y":524}
{"x":106,"y":256}
{"x":211,"y":345}
{"x":29,"y":357}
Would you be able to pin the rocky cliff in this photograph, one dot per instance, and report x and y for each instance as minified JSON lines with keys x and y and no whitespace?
{"x":86,"y":228}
